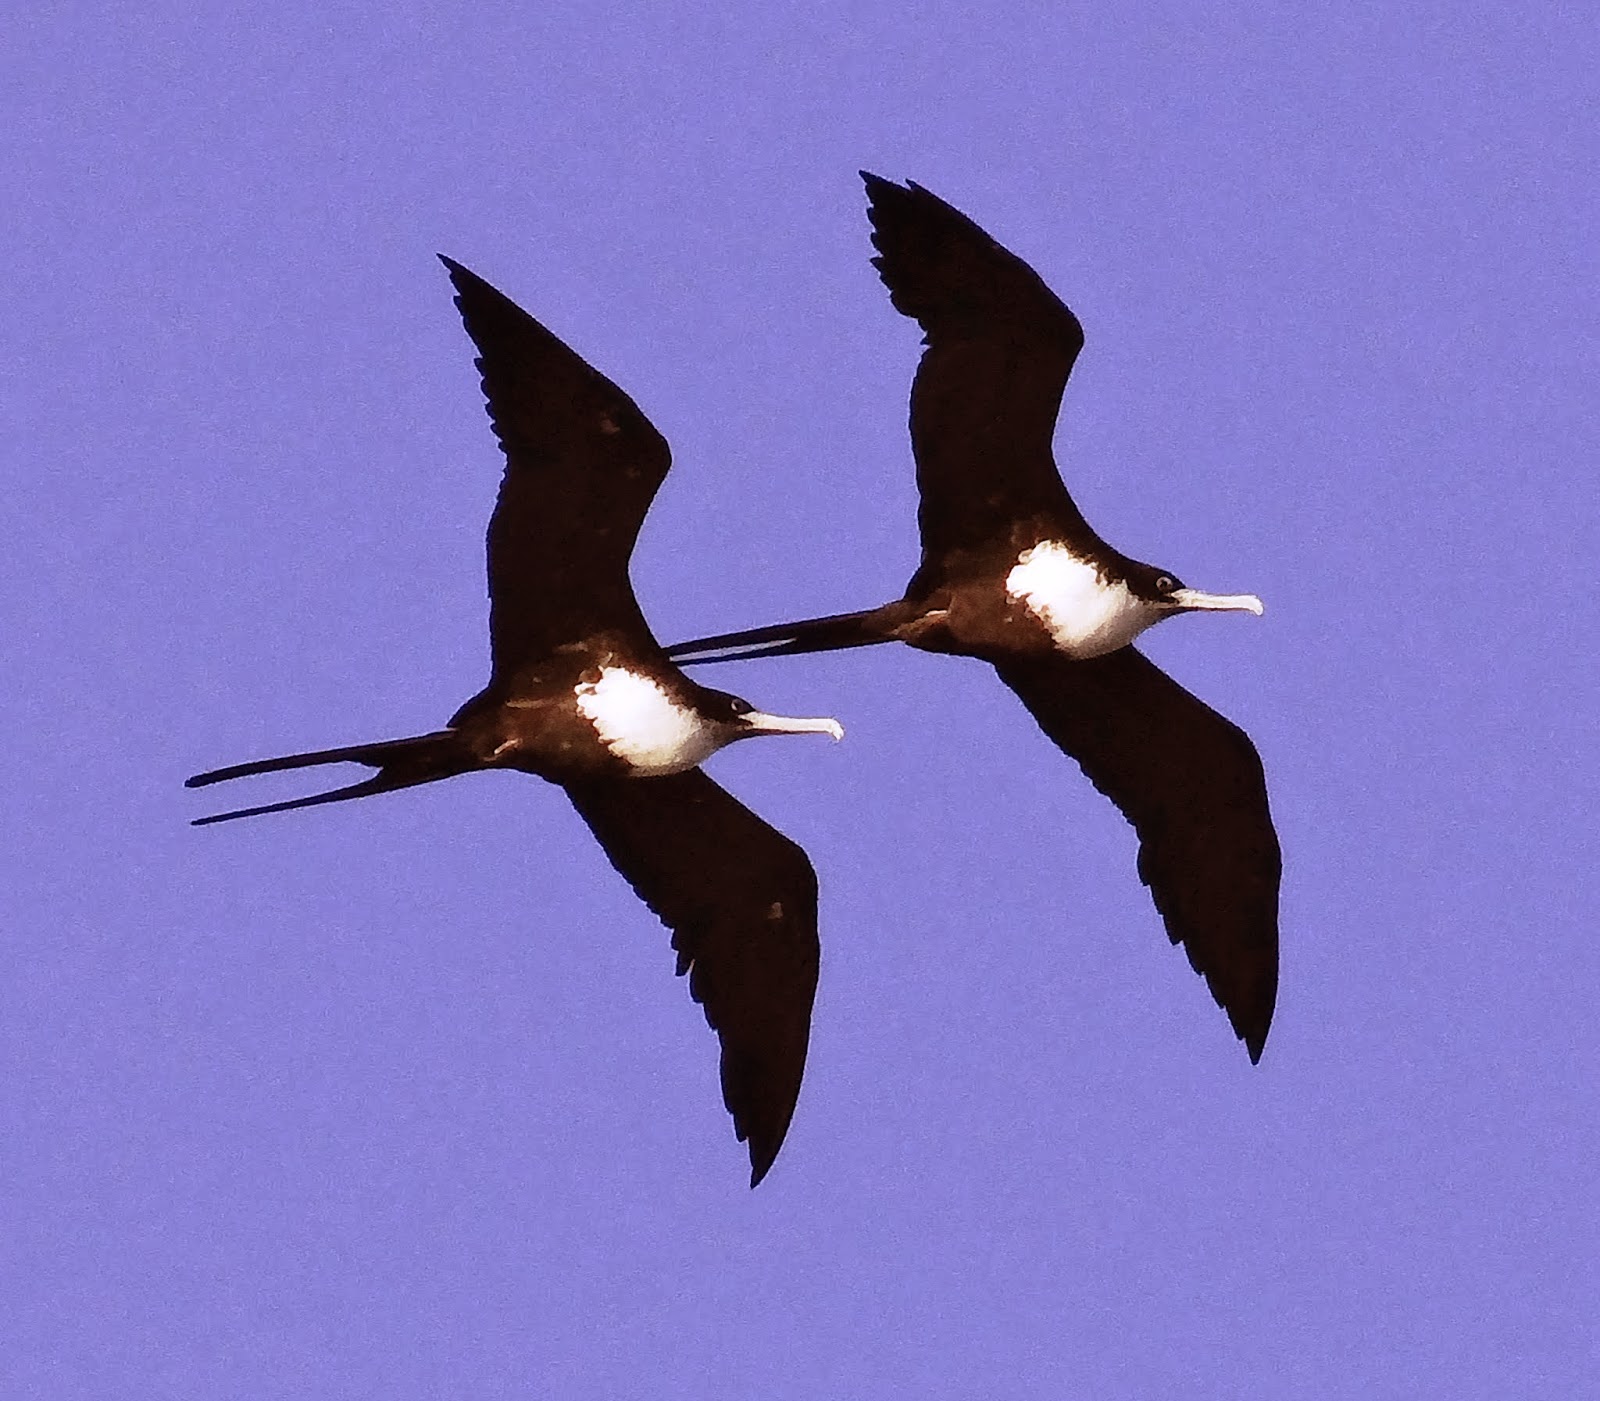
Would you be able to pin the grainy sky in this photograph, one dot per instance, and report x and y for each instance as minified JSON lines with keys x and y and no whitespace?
{"x":400,"y":1099}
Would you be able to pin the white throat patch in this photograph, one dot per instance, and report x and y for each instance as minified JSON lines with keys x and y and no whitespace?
{"x":643,"y":726}
{"x":1086,"y":615}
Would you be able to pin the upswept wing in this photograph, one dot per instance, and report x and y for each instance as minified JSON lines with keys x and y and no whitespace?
{"x":741,"y":901}
{"x":1191,"y":783}
{"x":984,"y":402}
{"x":582,"y":467}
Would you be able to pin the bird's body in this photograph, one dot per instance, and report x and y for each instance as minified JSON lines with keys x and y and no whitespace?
{"x":1046,"y":598}
{"x":1012,"y":573}
{"x":582,"y":695}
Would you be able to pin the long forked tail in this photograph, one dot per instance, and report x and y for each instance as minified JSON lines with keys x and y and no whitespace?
{"x":401,"y":763}
{"x":829,"y":634}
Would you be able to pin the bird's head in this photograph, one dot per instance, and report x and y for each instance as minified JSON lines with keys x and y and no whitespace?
{"x":1163,"y":590}
{"x":736,"y":718}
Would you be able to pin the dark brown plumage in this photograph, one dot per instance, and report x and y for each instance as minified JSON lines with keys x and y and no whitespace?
{"x":751,"y":952}
{"x":1191,"y":784}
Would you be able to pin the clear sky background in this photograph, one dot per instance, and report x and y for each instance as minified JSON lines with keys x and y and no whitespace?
{"x":400,"y":1099}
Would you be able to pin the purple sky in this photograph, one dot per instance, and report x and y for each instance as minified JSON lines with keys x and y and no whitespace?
{"x":400,"y":1099}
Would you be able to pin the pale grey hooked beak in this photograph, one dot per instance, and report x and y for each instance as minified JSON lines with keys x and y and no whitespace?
{"x":758,"y":722}
{"x":1217,"y":602}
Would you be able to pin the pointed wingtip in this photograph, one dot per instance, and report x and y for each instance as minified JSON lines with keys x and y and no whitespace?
{"x":459,"y":274}
{"x":1255,"y":1041}
{"x":763,"y":1142}
{"x":761,"y":1162}
{"x":1250,"y":1020}
{"x":877,"y":184}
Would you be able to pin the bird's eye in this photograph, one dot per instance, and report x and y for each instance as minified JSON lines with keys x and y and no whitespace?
{"x":739,"y":706}
{"x":1166,"y":584}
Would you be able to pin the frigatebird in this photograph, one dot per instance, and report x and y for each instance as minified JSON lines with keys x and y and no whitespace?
{"x":1012,"y":573}
{"x":580,"y":693}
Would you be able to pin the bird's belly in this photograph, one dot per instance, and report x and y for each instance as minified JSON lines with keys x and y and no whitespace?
{"x":560,"y":747}
{"x":656,"y":758}
{"x":1084,"y":633}
{"x":615,"y":724}
{"x":568,"y":753}
{"x":983,"y":619}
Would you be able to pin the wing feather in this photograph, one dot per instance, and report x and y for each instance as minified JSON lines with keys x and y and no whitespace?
{"x":741,"y":901}
{"x":988,"y":389}
{"x":1192,"y":785}
{"x":582,"y":467}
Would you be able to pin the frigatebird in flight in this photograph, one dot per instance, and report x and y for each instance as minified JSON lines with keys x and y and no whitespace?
{"x":1013,"y":574}
{"x":580,"y":693}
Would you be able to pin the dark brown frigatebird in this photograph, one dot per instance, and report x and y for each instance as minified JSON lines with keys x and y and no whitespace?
{"x":580,"y":693}
{"x":1012,"y":573}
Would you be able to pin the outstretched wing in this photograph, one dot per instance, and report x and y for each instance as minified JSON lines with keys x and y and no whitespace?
{"x":741,"y":901}
{"x":582,"y":466}
{"x":1191,"y":784}
{"x":984,"y":402}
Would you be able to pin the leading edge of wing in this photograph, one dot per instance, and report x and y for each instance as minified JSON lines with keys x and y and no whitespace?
{"x":741,"y":901}
{"x":1191,"y":783}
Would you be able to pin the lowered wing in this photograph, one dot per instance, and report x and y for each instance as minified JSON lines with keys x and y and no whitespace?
{"x":1192,"y":785}
{"x":741,"y":901}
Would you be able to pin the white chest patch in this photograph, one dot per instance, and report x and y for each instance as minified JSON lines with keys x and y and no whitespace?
{"x":1087,"y":616}
{"x":642,"y":725}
